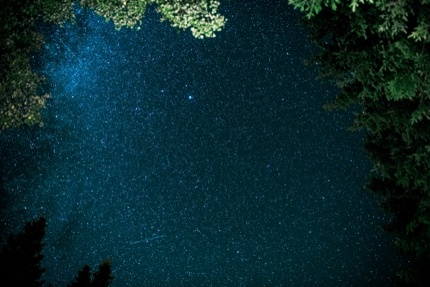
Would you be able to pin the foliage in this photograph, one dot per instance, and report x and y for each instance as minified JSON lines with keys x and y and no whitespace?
{"x":313,"y":7}
{"x":201,"y":16}
{"x":20,"y":101}
{"x":56,"y":11}
{"x":123,"y":13}
{"x":394,"y":17}
{"x":378,"y":54}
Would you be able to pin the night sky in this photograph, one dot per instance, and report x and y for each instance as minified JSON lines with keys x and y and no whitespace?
{"x":195,"y":162}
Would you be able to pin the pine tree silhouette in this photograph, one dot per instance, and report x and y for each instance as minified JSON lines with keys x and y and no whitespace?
{"x":103,"y":277}
{"x":20,"y":258}
{"x":83,"y":279}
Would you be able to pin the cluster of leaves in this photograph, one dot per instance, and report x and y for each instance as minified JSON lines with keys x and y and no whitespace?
{"x":20,"y":100}
{"x":378,"y":54}
{"x":390,"y":17}
{"x":21,"y":96}
{"x":313,"y":7}
{"x":200,"y":16}
{"x":20,"y":261}
{"x":122,"y":13}
{"x":55,"y":11}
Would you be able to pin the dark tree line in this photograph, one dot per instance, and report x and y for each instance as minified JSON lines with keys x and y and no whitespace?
{"x":20,"y":261}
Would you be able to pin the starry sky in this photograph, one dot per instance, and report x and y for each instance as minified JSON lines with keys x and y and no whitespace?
{"x":195,"y":162}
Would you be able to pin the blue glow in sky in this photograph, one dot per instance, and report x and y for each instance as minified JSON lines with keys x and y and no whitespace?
{"x":195,"y":163}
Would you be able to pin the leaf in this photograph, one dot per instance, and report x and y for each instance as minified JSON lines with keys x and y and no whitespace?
{"x":421,"y":33}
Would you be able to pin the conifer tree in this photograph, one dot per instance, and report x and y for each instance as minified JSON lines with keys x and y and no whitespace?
{"x":378,"y":54}
{"x":103,"y":276}
{"x":20,"y":259}
{"x":83,"y":279}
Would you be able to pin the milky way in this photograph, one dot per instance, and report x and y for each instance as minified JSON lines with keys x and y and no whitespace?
{"x":195,"y":162}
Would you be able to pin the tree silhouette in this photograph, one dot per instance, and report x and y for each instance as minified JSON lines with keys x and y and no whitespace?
{"x":83,"y":279}
{"x":20,"y":258}
{"x":101,"y":278}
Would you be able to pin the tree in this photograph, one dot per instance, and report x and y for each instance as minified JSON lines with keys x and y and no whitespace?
{"x":83,"y":279}
{"x":378,"y":53}
{"x":101,"y":278}
{"x":20,"y":259}
{"x":20,"y":100}
{"x":200,"y":16}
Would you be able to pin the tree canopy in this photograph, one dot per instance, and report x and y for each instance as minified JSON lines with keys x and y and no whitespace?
{"x":378,"y":54}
